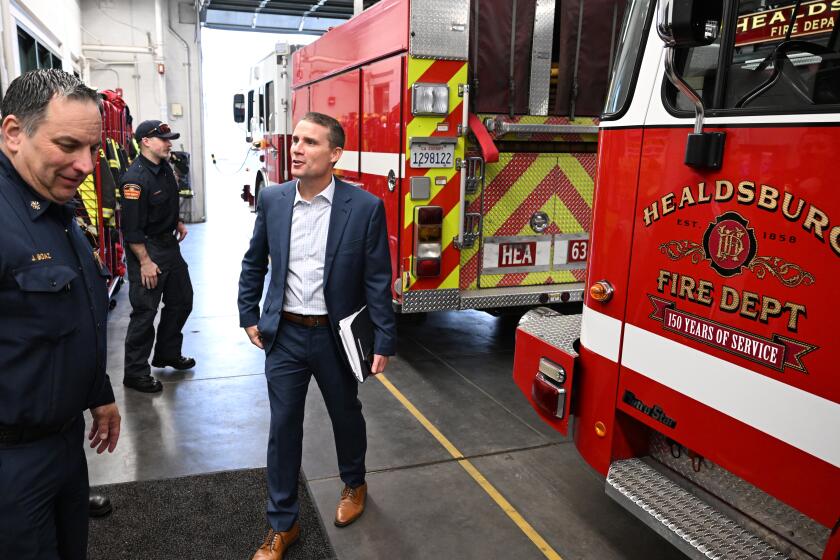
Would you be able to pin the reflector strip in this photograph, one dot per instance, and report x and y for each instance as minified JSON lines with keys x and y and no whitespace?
{"x":796,"y":417}
{"x":600,"y":333}
{"x":500,"y":500}
{"x":373,"y":163}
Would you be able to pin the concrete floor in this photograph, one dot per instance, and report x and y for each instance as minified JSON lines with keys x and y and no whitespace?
{"x":455,"y":368}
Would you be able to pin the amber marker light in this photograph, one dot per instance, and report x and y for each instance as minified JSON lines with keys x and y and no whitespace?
{"x":601,"y":291}
{"x":600,"y":429}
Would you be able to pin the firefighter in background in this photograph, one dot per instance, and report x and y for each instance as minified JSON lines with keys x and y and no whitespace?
{"x":156,"y":269}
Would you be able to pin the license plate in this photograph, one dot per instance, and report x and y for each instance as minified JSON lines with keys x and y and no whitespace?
{"x":432,"y":155}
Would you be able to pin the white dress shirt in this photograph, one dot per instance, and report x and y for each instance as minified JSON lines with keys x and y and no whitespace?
{"x":307,"y":251}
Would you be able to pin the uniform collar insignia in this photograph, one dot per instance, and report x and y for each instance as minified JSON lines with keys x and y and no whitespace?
{"x":38,"y":208}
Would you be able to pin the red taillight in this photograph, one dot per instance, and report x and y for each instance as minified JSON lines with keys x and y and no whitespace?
{"x":428,"y":237}
{"x":548,"y":395}
{"x":427,"y":267}
{"x":429,"y":215}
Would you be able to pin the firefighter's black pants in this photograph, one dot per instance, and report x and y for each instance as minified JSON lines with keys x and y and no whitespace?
{"x":175,"y":289}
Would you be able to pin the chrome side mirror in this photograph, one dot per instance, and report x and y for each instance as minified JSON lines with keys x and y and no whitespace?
{"x":688,"y":24}
{"x":239,"y":108}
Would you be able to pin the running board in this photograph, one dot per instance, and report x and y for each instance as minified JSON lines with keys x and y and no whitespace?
{"x":694,"y":527}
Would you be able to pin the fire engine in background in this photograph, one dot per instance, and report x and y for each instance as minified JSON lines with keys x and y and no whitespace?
{"x":703,"y":371}
{"x":98,"y":211}
{"x":474,"y":121}
{"x":265,"y":110}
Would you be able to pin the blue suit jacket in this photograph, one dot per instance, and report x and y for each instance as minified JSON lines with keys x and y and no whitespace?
{"x":357,"y":266}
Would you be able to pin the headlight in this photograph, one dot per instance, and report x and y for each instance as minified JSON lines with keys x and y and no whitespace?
{"x":430,"y":99}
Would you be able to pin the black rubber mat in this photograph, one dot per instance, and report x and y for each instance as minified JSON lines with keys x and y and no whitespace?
{"x":205,"y":517}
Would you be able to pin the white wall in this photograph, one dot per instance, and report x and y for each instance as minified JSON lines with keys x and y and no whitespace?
{"x":63,"y":18}
{"x":54,"y":23}
{"x":110,"y":28}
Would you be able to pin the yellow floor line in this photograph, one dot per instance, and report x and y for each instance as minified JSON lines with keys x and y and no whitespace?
{"x":511,"y":512}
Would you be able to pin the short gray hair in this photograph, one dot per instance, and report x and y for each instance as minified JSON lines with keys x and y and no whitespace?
{"x":30,"y":93}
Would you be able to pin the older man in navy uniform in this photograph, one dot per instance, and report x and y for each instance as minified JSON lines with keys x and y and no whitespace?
{"x":52,"y":325}
{"x":156,"y":269}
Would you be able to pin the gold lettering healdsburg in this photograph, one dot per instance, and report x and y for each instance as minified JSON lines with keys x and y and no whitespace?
{"x":770,"y":25}
{"x":723,"y":191}
{"x":746,"y":192}
{"x":765,"y":197}
{"x":687,"y":199}
{"x":749,"y":305}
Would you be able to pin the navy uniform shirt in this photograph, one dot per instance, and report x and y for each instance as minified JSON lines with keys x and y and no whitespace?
{"x":53,"y":311}
{"x":149,"y":201}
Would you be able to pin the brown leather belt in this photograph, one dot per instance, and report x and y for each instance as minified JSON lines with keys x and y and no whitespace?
{"x":307,"y":320}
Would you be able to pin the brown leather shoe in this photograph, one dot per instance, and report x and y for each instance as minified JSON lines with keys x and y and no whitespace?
{"x":276,"y":543}
{"x":351,"y":505}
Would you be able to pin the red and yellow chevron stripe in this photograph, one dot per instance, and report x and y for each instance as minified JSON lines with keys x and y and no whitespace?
{"x":445,"y":182}
{"x":517,"y":186}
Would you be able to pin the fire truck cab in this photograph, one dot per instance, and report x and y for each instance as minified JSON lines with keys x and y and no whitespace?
{"x":702,"y":374}
{"x":264,"y":109}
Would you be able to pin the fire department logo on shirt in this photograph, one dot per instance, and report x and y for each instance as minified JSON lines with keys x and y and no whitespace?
{"x":729,"y":243}
{"x":131,"y":191}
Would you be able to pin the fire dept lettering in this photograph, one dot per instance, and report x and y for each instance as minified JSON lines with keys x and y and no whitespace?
{"x":766,"y":197}
{"x":746,"y":304}
{"x":772,"y":25}
{"x":517,"y":254}
{"x":777,"y":353}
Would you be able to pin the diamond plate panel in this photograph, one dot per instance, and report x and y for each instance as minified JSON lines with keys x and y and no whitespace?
{"x":801,"y":530}
{"x":419,"y":301}
{"x":541,"y":57}
{"x":552,"y":327}
{"x":518,"y":185}
{"x":690,"y":524}
{"x":575,"y":187}
{"x":440,"y":29}
{"x":517,"y":300}
{"x":517,"y":200}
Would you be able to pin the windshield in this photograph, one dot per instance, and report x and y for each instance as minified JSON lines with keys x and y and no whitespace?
{"x":628,"y":56}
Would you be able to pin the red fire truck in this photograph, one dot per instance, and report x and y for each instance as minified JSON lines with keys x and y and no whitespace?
{"x":98,"y":212}
{"x":474,"y":121}
{"x":702,"y":373}
{"x":265,"y":111}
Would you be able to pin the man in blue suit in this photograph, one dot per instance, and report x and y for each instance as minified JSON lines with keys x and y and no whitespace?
{"x":328,"y":245}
